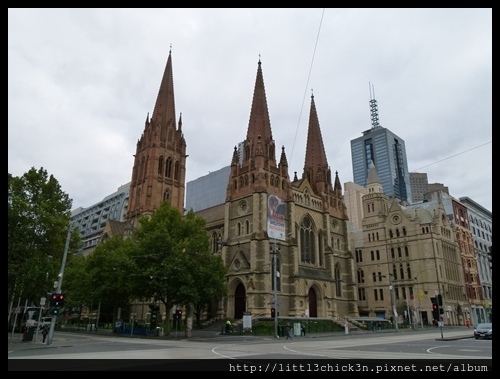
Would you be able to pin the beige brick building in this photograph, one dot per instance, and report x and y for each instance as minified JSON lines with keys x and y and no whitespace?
{"x":412,"y":251}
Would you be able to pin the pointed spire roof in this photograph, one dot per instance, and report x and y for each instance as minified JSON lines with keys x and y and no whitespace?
{"x":283,"y":160}
{"x":337,"y":185}
{"x":316,"y":164}
{"x":373,"y":177}
{"x":373,"y":183}
{"x":259,"y":124}
{"x":164,"y":110}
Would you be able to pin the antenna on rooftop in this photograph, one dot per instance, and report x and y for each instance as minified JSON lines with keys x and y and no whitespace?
{"x":373,"y":107}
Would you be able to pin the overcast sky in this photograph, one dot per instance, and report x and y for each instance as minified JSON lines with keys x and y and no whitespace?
{"x":82,"y":81}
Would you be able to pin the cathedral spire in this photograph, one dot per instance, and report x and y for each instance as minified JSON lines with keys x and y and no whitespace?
{"x":254,"y":168}
{"x":259,"y":126}
{"x":164,"y":110}
{"x":316,"y":168}
{"x":159,"y":170}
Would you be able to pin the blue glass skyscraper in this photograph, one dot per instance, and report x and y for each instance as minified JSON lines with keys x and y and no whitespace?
{"x":388,"y":153}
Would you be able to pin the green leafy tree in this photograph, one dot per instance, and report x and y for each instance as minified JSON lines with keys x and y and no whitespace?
{"x":103,"y":276}
{"x":76,"y":285}
{"x":209,"y":282}
{"x":38,"y":221}
{"x":168,"y":247}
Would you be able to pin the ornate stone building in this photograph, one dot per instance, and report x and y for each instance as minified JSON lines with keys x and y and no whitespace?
{"x":407,"y":256}
{"x":314,"y":268}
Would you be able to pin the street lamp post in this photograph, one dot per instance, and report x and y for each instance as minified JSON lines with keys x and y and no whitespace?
{"x":274,"y":252}
{"x":408,"y":311}
{"x":59,"y":284}
{"x":417,"y":316}
{"x":440,"y":323}
{"x":393,"y":302}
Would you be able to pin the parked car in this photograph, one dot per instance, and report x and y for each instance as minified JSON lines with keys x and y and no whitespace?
{"x":484,"y":330}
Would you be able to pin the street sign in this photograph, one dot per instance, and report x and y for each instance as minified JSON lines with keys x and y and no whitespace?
{"x":42,"y":301}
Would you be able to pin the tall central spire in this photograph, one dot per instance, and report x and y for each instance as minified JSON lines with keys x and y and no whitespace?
{"x":254,"y":168}
{"x":259,"y":126}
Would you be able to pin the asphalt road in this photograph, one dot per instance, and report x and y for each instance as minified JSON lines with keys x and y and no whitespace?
{"x":103,"y":350}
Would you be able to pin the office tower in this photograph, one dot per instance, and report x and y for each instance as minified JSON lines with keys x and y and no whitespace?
{"x":388,"y":153}
{"x":419,"y":186}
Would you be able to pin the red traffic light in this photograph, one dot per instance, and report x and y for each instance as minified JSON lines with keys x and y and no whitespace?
{"x":273,"y":312}
{"x":56,"y":300}
{"x":179,"y":312}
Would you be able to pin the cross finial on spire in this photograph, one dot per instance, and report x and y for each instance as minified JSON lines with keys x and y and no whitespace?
{"x":170,"y":47}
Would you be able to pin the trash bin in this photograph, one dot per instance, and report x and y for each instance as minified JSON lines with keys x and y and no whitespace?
{"x":28,"y":334}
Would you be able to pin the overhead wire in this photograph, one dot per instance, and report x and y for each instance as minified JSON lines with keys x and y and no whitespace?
{"x":463,"y":152}
{"x":307,"y":83}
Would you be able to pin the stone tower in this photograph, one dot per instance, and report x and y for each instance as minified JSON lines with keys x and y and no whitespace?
{"x":159,"y":169}
{"x":307,"y":231}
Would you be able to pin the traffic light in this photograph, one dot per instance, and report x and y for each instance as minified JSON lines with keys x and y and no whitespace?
{"x":435,"y":311}
{"x":439,"y":300}
{"x":55,"y":311}
{"x":273,"y":312}
{"x":177,"y":318}
{"x":178,"y":314}
{"x":440,"y":304}
{"x":57,"y":300}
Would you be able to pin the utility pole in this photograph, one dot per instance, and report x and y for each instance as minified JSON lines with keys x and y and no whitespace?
{"x":59,"y":285}
{"x":393,"y":302}
{"x":275,"y":285}
{"x":438,"y":293}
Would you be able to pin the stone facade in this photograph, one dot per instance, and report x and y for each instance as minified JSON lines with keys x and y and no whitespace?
{"x":412,"y":251}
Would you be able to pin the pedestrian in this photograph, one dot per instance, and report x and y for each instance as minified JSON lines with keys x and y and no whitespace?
{"x":288,"y":331}
{"x":45,"y":331}
{"x":228,"y":327}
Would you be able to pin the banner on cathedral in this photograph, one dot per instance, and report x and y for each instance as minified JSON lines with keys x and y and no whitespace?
{"x":276,"y":217}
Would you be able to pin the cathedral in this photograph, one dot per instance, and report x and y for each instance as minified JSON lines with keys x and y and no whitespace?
{"x":283,"y":240}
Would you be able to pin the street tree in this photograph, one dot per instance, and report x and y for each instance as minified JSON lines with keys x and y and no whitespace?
{"x":208,"y":274}
{"x":167,"y":246}
{"x":103,"y":276}
{"x":39,"y":215}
